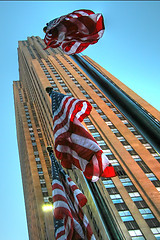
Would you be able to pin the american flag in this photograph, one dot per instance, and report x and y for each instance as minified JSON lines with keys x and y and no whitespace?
{"x":69,"y":220}
{"x":75,"y":31}
{"x":74,"y":145}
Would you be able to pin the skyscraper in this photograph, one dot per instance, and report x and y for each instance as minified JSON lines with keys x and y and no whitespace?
{"x":124,"y":125}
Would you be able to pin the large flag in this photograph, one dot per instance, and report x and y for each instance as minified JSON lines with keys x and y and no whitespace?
{"x":75,"y":31}
{"x":74,"y":145}
{"x":69,"y":220}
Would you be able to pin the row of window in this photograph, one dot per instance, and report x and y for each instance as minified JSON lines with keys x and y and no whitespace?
{"x":122,"y":209}
{"x":36,"y":154}
{"x":108,"y":122}
{"x":156,"y":120}
{"x":41,"y":142}
{"x":115,"y":198}
{"x":20,"y":95}
{"x":116,"y":111}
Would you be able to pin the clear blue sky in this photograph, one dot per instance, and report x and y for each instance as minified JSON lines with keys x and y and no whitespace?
{"x":129,"y":49}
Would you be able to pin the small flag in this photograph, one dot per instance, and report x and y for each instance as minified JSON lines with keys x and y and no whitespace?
{"x":74,"y":145}
{"x":69,"y":220}
{"x":75,"y":31}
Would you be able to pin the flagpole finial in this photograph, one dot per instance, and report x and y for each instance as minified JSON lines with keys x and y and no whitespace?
{"x":49,"y":90}
{"x":49,"y":149}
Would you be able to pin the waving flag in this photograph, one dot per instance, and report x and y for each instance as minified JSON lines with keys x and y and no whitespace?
{"x":69,"y":220}
{"x":74,"y":32}
{"x":74,"y":145}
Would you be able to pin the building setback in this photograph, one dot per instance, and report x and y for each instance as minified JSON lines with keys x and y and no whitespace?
{"x":124,"y":207}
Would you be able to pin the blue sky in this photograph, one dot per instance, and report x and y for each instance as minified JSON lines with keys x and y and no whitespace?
{"x":129,"y":49}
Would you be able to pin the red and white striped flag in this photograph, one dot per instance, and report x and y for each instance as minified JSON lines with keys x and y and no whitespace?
{"x":69,"y":220}
{"x":74,"y":145}
{"x":74,"y":32}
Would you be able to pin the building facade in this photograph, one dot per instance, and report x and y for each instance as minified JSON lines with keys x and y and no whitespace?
{"x":123,"y":207}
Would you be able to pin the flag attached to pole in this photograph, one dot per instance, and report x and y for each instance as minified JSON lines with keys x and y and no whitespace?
{"x":75,"y":31}
{"x":69,"y":220}
{"x":74,"y":145}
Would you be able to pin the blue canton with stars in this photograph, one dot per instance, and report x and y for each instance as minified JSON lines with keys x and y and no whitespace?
{"x":56,"y":98}
{"x":56,"y":168}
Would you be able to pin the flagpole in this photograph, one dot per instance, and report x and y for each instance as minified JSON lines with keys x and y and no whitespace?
{"x":54,"y":161}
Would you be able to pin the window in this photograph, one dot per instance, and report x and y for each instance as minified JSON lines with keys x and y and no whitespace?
{"x":147,"y":145}
{"x":35,"y":148}
{"x":42,"y":181}
{"x":151,"y":176}
{"x":116,"y":198}
{"x":138,"y":238}
{"x":109,"y":104}
{"x":134,"y":233}
{"x":144,"y":167}
{"x":90,"y":127}
{"x":101,"y":143}
{"x":146,"y":213}
{"x":139,"y":137}
{"x":136,"y":158}
{"x":114,"y":110}
{"x":104,"y":117}
{"x":155,"y":155}
{"x":114,"y":162}
{"x":45,"y":199}
{"x":125,"y":121}
{"x":152,"y":222}
{"x":39,"y":166}
{"x":126,"y":182}
{"x":131,"y":188}
{"x":119,"y":115}
{"x":107,"y":152}
{"x":100,"y":94}
{"x":111,"y":157}
{"x":99,"y":110}
{"x":108,"y":183}
{"x":44,"y":189}
{"x":141,"y":204}
{"x":126,"y":216}
{"x":151,"y":150}
{"x":120,"y":171}
{"x":94,"y":105}
{"x":104,"y":147}
{"x":132,"y":129}
{"x":121,"y":206}
{"x":34,"y":144}
{"x":109,"y":123}
{"x":114,"y":130}
{"x":128,"y":148}
{"x":96,"y":134}
{"x":118,"y":134}
{"x":132,"y":152}
{"x":158,"y":188}
{"x":86,"y":95}
{"x":135,"y":196}
{"x":35,"y":152}
{"x":121,"y":139}
{"x":156,"y":232}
